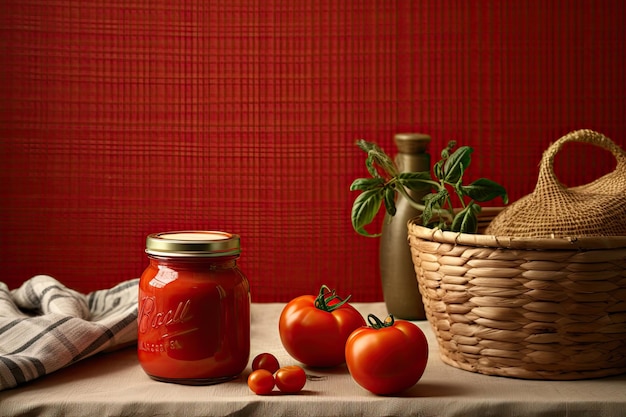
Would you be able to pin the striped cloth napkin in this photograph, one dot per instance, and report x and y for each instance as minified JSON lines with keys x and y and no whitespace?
{"x":45,"y":326}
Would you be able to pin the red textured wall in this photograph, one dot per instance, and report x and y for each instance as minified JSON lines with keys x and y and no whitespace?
{"x":123,"y":118}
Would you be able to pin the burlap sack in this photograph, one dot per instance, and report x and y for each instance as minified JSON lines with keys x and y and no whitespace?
{"x":553,"y":210}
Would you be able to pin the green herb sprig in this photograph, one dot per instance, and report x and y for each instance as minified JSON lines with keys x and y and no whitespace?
{"x":386,"y":183}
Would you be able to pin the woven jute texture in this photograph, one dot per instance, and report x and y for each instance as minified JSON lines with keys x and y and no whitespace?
{"x":552,"y":309}
{"x":553,"y":210}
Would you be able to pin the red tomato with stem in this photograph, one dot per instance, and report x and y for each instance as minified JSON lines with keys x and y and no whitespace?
{"x":290,"y":379}
{"x":387,"y":357}
{"x":314,"y":329}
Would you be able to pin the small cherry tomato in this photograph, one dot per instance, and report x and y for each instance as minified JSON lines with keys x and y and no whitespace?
{"x":265,"y":361}
{"x":387,"y":358}
{"x":261,"y":381}
{"x":314,"y":329}
{"x":290,"y":379}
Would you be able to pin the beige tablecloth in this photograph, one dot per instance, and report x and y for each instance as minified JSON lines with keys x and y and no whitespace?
{"x":114,"y":384}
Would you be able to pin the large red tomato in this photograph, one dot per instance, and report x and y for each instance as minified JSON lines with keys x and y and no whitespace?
{"x":387,"y":358}
{"x":314,"y":329}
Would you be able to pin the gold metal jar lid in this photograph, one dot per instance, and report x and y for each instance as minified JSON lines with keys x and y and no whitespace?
{"x":193,"y":243}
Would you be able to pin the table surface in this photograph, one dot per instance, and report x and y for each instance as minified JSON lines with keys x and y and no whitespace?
{"x":114,"y":384}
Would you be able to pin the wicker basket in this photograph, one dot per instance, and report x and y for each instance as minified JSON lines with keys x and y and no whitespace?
{"x":552,"y":309}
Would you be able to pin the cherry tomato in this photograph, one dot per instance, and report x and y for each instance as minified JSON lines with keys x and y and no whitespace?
{"x":387,"y":358}
{"x":290,"y":379}
{"x":265,"y":361}
{"x":314,"y":330}
{"x":261,"y":381}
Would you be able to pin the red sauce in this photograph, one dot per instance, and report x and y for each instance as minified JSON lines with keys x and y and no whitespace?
{"x":194,"y":310}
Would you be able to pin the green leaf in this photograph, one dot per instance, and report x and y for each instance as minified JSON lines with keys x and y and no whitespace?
{"x":466,"y":221}
{"x":445,"y":152}
{"x":438,"y":170}
{"x":371,"y":168}
{"x":364,"y":184}
{"x":384,"y":161}
{"x":377,"y":157}
{"x":484,"y":189}
{"x":456,"y":164}
{"x":364,"y":210}
{"x":415,"y":180}
{"x":414,"y":176}
{"x":370,"y":161}
{"x":432,"y":202}
{"x":448,"y":174}
{"x":365,"y":145}
{"x":390,"y":201}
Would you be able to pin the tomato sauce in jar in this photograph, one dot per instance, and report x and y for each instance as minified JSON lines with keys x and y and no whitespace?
{"x":194,"y":308}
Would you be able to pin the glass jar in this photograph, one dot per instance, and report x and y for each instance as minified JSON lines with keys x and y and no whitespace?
{"x":194,"y":308}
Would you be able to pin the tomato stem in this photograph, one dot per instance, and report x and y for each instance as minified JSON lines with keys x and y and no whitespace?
{"x":327,"y":295}
{"x":377,"y":323}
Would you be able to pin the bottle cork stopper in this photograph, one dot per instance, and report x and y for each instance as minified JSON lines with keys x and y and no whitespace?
{"x":412,"y":142}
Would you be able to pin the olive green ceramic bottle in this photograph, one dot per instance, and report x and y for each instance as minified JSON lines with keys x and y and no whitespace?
{"x":399,"y":281}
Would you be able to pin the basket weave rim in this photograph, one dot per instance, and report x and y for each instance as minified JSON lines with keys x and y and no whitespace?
{"x":511,"y":242}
